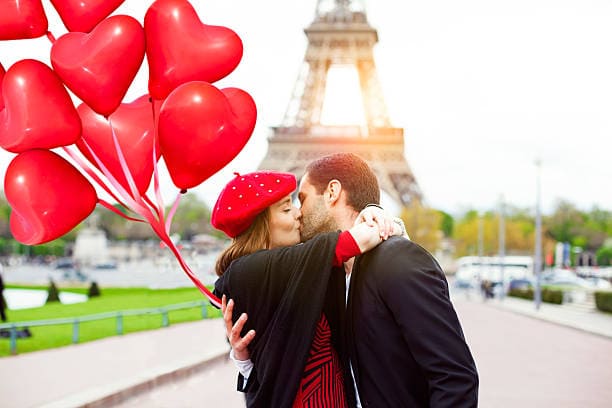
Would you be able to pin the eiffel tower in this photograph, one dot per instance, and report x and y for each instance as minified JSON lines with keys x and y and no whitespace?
{"x":340,"y":35}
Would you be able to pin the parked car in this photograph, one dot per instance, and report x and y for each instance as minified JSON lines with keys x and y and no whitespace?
{"x":519,"y":284}
{"x":64,"y":263}
{"x":565,"y":277}
{"x":106,"y":265}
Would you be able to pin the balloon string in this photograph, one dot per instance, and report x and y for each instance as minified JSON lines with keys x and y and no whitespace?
{"x":159,"y":229}
{"x":138,"y":205}
{"x":135,"y":205}
{"x":156,"y":188}
{"x":92,"y":174}
{"x":124,"y":167}
{"x":161,"y":233}
{"x":50,"y":36}
{"x":112,"y":208}
{"x":172,"y":212}
{"x":151,"y":204}
{"x":211,"y":297}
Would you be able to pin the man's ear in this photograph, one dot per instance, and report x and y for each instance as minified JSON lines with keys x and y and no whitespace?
{"x":332,"y":192}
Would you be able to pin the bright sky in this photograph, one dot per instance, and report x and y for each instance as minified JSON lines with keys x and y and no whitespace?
{"x":482,"y":88}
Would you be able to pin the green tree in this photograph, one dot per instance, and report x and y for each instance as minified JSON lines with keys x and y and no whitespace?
{"x":423,"y":225}
{"x":446,"y":224}
{"x":192,"y":217}
{"x":604,"y":256}
{"x":563,"y":224}
{"x":94,"y":290}
{"x":56,"y":247}
{"x":587,"y":230}
{"x":118,"y":228}
{"x":5,"y":213}
{"x":53,"y":293}
{"x":519,"y":230}
{"x":600,"y":220}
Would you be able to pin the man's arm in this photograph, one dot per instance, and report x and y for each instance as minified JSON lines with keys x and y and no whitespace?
{"x":416,"y":292}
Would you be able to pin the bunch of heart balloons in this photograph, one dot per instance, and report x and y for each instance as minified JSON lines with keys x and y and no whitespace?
{"x":195,"y":127}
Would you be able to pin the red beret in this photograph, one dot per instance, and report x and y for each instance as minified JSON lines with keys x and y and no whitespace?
{"x":248,"y":195}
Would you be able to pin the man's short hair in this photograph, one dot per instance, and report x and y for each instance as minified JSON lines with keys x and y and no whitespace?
{"x":356,"y":177}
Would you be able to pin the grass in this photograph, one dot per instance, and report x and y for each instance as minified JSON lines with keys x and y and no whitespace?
{"x":112,"y":300}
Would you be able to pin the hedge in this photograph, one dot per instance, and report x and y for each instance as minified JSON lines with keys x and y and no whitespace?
{"x":548,"y":295}
{"x":603,"y":301}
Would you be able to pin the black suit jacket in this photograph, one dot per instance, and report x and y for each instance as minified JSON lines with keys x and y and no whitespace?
{"x":406,"y":344}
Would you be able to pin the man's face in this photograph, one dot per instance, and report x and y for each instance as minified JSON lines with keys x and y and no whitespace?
{"x":316,"y":217}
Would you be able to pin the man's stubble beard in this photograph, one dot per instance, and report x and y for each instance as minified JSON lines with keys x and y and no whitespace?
{"x":317,"y":221}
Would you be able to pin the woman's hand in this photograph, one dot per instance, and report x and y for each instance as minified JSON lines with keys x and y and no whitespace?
{"x":238,"y":344}
{"x":377,"y":217}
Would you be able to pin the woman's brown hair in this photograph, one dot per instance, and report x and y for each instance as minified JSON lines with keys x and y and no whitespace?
{"x":255,"y":238}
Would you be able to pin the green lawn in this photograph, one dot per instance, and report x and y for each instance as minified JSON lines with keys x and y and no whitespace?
{"x":112,"y":300}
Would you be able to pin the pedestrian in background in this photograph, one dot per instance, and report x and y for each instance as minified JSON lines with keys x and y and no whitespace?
{"x":2,"y":301}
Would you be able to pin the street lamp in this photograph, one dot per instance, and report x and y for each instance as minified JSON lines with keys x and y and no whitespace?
{"x":502,"y":245}
{"x":537,"y":262}
{"x":480,"y":252}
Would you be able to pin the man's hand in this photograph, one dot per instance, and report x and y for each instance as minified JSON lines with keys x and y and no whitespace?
{"x":239,"y":344}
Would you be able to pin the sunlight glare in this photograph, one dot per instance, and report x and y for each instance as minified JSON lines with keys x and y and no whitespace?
{"x":343,"y":101}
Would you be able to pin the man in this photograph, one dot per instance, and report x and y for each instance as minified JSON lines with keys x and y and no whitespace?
{"x":405,"y":343}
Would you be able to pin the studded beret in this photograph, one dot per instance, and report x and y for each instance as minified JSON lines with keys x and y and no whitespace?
{"x":246,"y":196}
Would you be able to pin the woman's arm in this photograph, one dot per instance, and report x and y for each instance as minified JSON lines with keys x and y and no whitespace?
{"x":372,"y":226}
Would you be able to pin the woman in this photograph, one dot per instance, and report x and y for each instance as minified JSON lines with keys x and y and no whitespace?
{"x":293,"y":295}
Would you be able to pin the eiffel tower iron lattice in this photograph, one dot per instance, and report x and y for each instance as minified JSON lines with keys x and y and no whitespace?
{"x":341,"y":35}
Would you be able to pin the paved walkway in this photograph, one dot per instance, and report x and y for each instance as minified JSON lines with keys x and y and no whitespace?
{"x":522,"y":361}
{"x":530,"y":363}
{"x":589,"y":320}
{"x":106,"y":371}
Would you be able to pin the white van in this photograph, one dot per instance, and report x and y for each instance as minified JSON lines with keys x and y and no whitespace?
{"x":471,"y":270}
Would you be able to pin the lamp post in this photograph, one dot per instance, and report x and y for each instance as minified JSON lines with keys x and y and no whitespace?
{"x":537,"y":261}
{"x":502,"y":246}
{"x":480,"y":252}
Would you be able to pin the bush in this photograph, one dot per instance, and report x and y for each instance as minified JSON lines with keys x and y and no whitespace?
{"x":603,"y":301}
{"x":94,"y":290}
{"x":53,"y":295}
{"x":604,"y":256}
{"x":554,"y":296}
{"x":521,"y":293}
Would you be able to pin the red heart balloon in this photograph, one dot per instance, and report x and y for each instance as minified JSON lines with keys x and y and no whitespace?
{"x":48,"y":196}
{"x":201,"y":129}
{"x":2,"y":72}
{"x":181,"y":49}
{"x":84,"y":15}
{"x":39,"y":113}
{"x":99,"y":67}
{"x":134,"y":129}
{"x":21,"y":19}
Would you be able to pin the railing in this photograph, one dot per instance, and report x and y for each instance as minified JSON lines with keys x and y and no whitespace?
{"x":119,"y":315}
